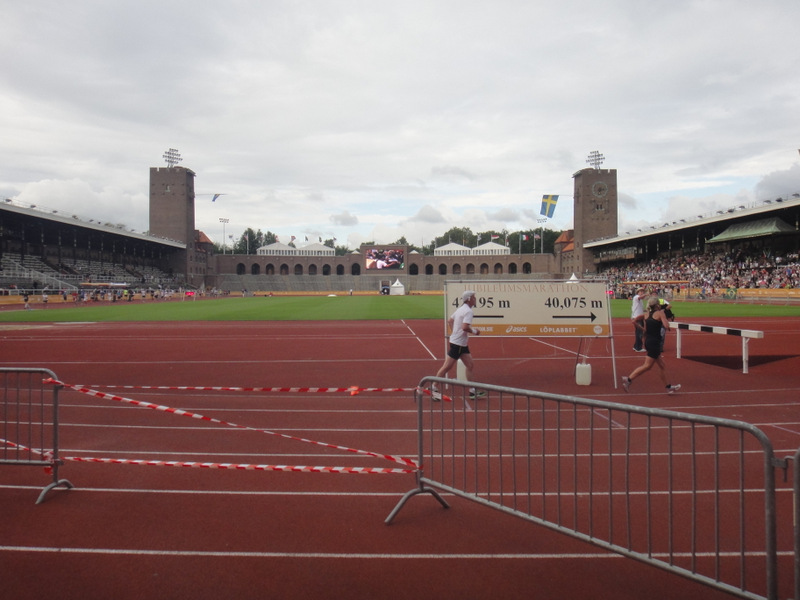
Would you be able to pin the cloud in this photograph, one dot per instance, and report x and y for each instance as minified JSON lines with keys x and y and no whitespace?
{"x":779,"y":184}
{"x":345,"y":219}
{"x":505,"y":215}
{"x":455,"y":173}
{"x":379,"y":119}
{"x":427,"y":214}
{"x":78,"y":198}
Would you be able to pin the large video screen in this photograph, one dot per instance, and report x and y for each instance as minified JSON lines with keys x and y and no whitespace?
{"x":382,"y":259}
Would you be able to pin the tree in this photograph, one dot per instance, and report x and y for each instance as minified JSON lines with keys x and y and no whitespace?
{"x":248,"y":243}
{"x":402,"y":241}
{"x":457,"y":235}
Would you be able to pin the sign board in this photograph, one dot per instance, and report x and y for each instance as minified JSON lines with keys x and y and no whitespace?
{"x":569,"y":308}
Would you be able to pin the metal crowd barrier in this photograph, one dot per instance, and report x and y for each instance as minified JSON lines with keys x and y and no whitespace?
{"x":796,"y":520}
{"x":29,"y":422}
{"x":693,"y":495}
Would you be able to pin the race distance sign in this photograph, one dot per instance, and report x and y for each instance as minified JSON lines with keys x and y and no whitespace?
{"x":535,"y":308}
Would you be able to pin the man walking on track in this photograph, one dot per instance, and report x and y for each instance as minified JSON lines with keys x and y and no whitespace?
{"x":460,"y":324}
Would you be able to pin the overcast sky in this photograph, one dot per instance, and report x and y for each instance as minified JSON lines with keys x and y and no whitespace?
{"x":371,"y":120}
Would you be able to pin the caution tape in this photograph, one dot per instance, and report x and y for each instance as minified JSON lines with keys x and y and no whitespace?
{"x":353,"y":390}
{"x":238,"y":467}
{"x":435,"y":395}
{"x":47,"y":456}
{"x":176,"y":411}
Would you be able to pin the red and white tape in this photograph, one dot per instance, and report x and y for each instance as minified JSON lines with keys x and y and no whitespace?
{"x":176,"y":411}
{"x":47,"y":456}
{"x":238,"y":467}
{"x":352,"y":390}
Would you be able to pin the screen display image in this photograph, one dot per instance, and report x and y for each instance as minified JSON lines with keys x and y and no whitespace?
{"x":384,"y":258}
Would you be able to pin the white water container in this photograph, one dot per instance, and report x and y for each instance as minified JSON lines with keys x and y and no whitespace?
{"x":583,"y":374}
{"x":461,"y":371}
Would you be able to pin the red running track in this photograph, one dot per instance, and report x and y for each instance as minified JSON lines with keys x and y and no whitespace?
{"x":130,"y":531}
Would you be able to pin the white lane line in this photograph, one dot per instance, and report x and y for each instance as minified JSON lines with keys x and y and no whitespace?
{"x":428,"y":350}
{"x":329,"y":555}
{"x":358,"y":555}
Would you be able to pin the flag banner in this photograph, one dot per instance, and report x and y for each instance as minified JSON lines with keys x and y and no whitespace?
{"x":536,"y":236}
{"x":495,"y":237}
{"x":524,"y":237}
{"x":548,"y":205}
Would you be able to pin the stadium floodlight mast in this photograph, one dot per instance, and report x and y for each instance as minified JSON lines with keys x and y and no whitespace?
{"x":223,"y":220}
{"x":595,"y":159}
{"x":172,"y":157}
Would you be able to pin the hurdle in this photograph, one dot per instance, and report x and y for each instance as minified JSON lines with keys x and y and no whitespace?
{"x":745,"y":334}
{"x":29,"y":422}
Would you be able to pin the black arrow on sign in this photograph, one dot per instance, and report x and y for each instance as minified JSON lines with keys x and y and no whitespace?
{"x":590,"y":316}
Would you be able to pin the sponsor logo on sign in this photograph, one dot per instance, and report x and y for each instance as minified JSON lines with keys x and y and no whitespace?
{"x":512,"y":329}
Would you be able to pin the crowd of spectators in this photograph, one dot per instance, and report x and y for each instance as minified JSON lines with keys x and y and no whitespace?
{"x":711,"y":273}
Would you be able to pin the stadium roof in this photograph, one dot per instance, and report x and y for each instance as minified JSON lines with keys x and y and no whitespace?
{"x":75,"y":221}
{"x":760,"y":228}
{"x":761,"y":209}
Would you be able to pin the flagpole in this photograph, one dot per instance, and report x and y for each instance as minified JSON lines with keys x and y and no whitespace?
{"x":541,"y":237}
{"x":541,"y":234}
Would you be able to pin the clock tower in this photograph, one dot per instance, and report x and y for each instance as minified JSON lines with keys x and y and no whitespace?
{"x":595,"y":212}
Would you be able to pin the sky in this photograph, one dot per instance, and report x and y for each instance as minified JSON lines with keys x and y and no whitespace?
{"x":369,"y":120}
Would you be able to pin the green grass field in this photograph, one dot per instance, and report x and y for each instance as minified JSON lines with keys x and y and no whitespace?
{"x":338,"y":308}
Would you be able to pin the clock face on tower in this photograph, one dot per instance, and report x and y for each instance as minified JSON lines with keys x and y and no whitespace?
{"x":599,"y":189}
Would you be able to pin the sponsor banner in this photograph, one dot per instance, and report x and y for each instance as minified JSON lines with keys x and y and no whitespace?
{"x":538,"y":308}
{"x":544,"y":330}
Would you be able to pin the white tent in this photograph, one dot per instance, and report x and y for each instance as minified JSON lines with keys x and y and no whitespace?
{"x":397,"y":289}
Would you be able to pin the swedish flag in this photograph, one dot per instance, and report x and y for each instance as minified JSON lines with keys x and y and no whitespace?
{"x":548,"y":205}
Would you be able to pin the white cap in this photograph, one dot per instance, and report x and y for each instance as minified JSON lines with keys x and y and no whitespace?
{"x":467,"y":295}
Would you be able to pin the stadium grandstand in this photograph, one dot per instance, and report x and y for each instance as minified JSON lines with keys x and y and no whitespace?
{"x":745,"y":251}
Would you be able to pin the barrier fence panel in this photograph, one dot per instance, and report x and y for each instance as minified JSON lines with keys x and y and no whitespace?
{"x":29,"y":422}
{"x":691,"y":494}
{"x":796,"y":522}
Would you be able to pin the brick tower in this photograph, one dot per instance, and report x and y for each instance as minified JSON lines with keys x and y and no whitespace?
{"x":172,"y":203}
{"x":595,"y":212}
